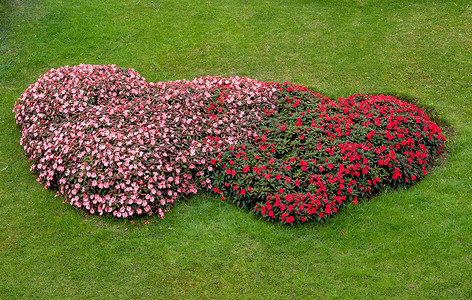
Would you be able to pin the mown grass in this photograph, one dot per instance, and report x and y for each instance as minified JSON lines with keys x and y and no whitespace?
{"x":413,"y":243}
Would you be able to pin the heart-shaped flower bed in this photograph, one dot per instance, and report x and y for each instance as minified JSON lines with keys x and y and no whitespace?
{"x":315,"y":155}
{"x":110,"y":142}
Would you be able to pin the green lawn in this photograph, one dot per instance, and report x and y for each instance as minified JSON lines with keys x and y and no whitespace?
{"x":408,"y":244}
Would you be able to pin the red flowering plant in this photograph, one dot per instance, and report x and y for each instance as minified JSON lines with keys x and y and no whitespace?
{"x":314,"y":155}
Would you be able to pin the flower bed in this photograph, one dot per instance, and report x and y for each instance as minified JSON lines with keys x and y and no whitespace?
{"x":111,"y":143}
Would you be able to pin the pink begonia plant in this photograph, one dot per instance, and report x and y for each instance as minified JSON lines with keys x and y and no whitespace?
{"x":112,"y":143}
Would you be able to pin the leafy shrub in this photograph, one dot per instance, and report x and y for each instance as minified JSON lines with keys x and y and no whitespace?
{"x":315,"y":155}
{"x":110,"y":142}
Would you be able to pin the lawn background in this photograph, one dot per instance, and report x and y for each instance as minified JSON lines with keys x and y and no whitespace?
{"x":412,"y":244}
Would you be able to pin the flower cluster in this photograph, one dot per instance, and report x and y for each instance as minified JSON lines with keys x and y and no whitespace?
{"x":111,"y":143}
{"x":315,"y":155}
